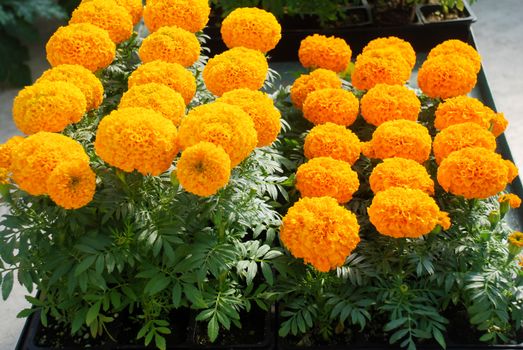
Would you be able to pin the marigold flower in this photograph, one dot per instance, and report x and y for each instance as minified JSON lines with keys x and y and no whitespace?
{"x":475,"y":172}
{"x":260,"y":107}
{"x":498,"y":123}
{"x":173,"y":75}
{"x":462,"y":109}
{"x":191,"y":15}
{"x":320,"y":51}
{"x":158,"y":97}
{"x":405,"y":213}
{"x":513,"y":200}
{"x":171,"y":44}
{"x":72,"y":184}
{"x":400,"y":172}
{"x":236,"y":68}
{"x":83,"y":44}
{"x":399,"y":138}
{"x":307,"y":83}
{"x":203,"y":169}
{"x":320,"y":231}
{"x":133,"y":7}
{"x":4,"y":176}
{"x":137,"y":139}
{"x":446,"y":76}
{"x":48,"y":106}
{"x":385,"y":66}
{"x":459,"y":136}
{"x":80,"y":77}
{"x":7,"y":148}
{"x":516,"y":238}
{"x":389,"y":102}
{"x":404,"y":47}
{"x":33,"y":160}
{"x":332,"y":140}
{"x":224,"y":125}
{"x":331,"y":105}
{"x":252,"y":28}
{"x":459,"y":47}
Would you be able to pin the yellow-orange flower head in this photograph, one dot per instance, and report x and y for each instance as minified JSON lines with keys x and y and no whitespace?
{"x":320,"y":51}
{"x":459,"y":47}
{"x":389,"y":102}
{"x":399,"y":138}
{"x":224,"y":125}
{"x":332,"y":140}
{"x":446,"y":76}
{"x":203,"y":169}
{"x":48,"y":106}
{"x":327,"y":177}
{"x":331,"y":105}
{"x":513,"y":200}
{"x":72,"y":184}
{"x":400,"y":172}
{"x":385,"y":66}
{"x":6,"y":149}
{"x":459,"y":136}
{"x":33,"y":160}
{"x":405,"y":213}
{"x":173,"y":75}
{"x":79,"y":76}
{"x":171,"y":44}
{"x":191,"y":15}
{"x":4,"y":176}
{"x":475,"y":172}
{"x":252,"y":28}
{"x":320,"y":231}
{"x":236,"y":68}
{"x":516,"y":239}
{"x":83,"y":44}
{"x":404,"y":47}
{"x":260,"y":107}
{"x":137,"y":139}
{"x":157,"y":97}
{"x":499,"y":124}
{"x":307,"y":83}
{"x":133,"y":7}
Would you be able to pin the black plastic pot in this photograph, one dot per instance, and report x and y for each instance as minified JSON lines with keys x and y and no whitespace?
{"x":424,"y":11}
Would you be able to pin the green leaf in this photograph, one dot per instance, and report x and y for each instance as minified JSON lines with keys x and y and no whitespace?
{"x":439,"y":337}
{"x":84,"y":265}
{"x":395,"y":324}
{"x":160,"y":342}
{"x":156,"y":285}
{"x":194,"y":296}
{"x":177,"y":295}
{"x":487,"y":337}
{"x":212,"y":329}
{"x":205,"y":314}
{"x":25,"y":313}
{"x":100,"y":264}
{"x":267,"y":272}
{"x":93,"y":312}
{"x":78,"y":321}
{"x":251,"y":271}
{"x":7,"y":285}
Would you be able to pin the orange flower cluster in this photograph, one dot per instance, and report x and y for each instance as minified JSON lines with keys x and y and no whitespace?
{"x":307,"y":83}
{"x":4,"y":176}
{"x":404,"y":47}
{"x":400,"y":172}
{"x":320,"y":51}
{"x":133,"y":7}
{"x":6,"y":149}
{"x":191,"y":15}
{"x":389,"y":102}
{"x":450,"y":47}
{"x":72,"y":184}
{"x":332,"y":140}
{"x":516,"y":239}
{"x":320,"y":231}
{"x":331,"y":105}
{"x":513,"y":200}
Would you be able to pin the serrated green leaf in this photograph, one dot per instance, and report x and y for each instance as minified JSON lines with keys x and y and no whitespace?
{"x":212,"y":329}
{"x":7,"y":285}
{"x":394,"y":324}
{"x":160,"y":342}
{"x":156,"y":285}
{"x":84,"y":265}
{"x":267,"y":273}
{"x":93,"y":312}
{"x":177,"y":294}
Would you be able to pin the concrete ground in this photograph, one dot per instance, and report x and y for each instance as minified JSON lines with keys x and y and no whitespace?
{"x":498,"y":31}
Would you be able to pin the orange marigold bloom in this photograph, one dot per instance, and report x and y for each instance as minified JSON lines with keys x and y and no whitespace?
{"x":173,"y":75}
{"x":400,"y":172}
{"x":320,"y":231}
{"x":33,"y":160}
{"x":137,"y":139}
{"x":307,"y":83}
{"x":332,"y":140}
{"x":331,"y":105}
{"x":404,"y":47}
{"x":516,"y":238}
{"x":171,"y":44}
{"x":459,"y":47}
{"x":191,"y":15}
{"x":133,"y":7}
{"x":385,"y":66}
{"x":236,"y":68}
{"x":320,"y":51}
{"x":252,"y":28}
{"x":260,"y":107}
{"x":4,"y":176}
{"x":327,"y":177}
{"x":513,"y":200}
{"x":399,"y":138}
{"x":222,"y":124}
{"x":7,"y":148}
{"x":499,"y":123}
{"x":72,"y":184}
{"x":405,"y":213}
{"x":48,"y":106}
{"x":80,"y":77}
{"x":475,"y":172}
{"x":157,"y":97}
{"x":459,"y":136}
{"x":446,"y":76}
{"x":83,"y":44}
{"x":389,"y":102}
{"x":203,"y":169}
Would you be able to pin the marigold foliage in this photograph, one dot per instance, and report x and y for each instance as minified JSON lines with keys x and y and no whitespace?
{"x":236,"y":68}
{"x":400,"y":172}
{"x":399,"y":138}
{"x":48,"y":106}
{"x":191,"y":15}
{"x":459,"y":47}
{"x":171,"y":44}
{"x":320,"y":231}
{"x":307,"y":83}
{"x":332,"y":140}
{"x":133,"y":7}
{"x":83,"y":44}
{"x":252,"y":28}
{"x":137,"y":139}
{"x":221,"y":124}
{"x":513,"y":200}
{"x":389,"y":102}
{"x":72,"y":184}
{"x":260,"y":107}
{"x":320,"y":51}
{"x":516,"y":239}
{"x":7,"y":148}
{"x":157,"y":97}
{"x":331,"y":105}
{"x":404,"y":47}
